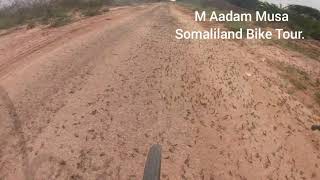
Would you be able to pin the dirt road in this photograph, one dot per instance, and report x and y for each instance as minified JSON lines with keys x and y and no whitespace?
{"x":87,"y":100}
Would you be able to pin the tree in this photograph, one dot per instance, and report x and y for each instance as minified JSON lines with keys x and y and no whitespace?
{"x":248,"y":4}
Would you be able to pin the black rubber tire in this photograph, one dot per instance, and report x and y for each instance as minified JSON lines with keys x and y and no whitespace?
{"x":153,"y":163}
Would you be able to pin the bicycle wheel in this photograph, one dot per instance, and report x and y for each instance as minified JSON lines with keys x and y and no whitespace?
{"x":153,"y":163}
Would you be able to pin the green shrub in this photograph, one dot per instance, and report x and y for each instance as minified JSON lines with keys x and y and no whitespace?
{"x":309,"y":26}
{"x":31,"y":25}
{"x":304,"y":11}
{"x":270,"y":8}
{"x":5,"y":23}
{"x":248,"y":4}
{"x":91,"y":12}
{"x":60,"y":21}
{"x":236,"y":26}
{"x":53,"y":12}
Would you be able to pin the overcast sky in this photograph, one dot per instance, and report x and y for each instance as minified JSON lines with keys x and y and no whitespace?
{"x":311,"y":3}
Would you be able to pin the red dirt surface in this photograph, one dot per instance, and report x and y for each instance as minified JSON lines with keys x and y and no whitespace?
{"x":87,"y":100}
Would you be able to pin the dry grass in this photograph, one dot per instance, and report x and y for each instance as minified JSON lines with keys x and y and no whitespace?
{"x":299,"y":80}
{"x":307,"y":48}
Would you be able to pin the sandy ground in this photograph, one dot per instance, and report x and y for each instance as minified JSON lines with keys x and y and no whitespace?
{"x":87,"y":100}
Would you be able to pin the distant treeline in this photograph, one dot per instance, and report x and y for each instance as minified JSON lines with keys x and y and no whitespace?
{"x":302,"y":18}
{"x":54,"y":12}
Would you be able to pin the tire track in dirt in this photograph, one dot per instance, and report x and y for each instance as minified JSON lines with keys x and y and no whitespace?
{"x":45,"y":40}
{"x":13,"y":142}
{"x":11,"y":124}
{"x":45,"y":159}
{"x":65,"y":74}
